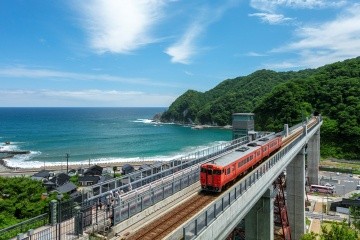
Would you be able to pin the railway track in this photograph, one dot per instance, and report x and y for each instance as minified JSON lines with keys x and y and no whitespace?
{"x":165,"y":224}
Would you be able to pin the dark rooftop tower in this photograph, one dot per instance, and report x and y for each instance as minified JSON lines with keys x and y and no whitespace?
{"x":242,"y":124}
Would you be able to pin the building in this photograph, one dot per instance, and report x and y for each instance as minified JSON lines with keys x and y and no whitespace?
{"x":242,"y":124}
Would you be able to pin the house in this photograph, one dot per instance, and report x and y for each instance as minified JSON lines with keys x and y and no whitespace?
{"x":49,"y":185}
{"x":145,"y":169}
{"x":60,"y":179}
{"x":68,"y":187}
{"x":127,"y":168}
{"x":42,"y":175}
{"x":93,"y":171}
{"x":105,"y":178}
{"x":88,"y":180}
{"x":72,"y":172}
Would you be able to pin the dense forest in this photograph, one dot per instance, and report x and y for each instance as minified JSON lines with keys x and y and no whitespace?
{"x":285,"y":97}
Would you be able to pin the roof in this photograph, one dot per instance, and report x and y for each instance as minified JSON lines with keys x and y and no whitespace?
{"x":231,"y":157}
{"x":89,"y":179}
{"x":96,"y":167}
{"x":105,"y":178}
{"x":60,"y":178}
{"x":245,"y":114}
{"x":67,"y":187}
{"x":157,"y":164}
{"x":145,"y":167}
{"x":127,"y":166}
{"x":42,"y":173}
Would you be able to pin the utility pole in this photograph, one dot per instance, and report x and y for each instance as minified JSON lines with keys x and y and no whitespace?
{"x":67,"y":163}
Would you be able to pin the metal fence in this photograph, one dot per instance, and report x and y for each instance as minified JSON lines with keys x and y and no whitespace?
{"x":159,"y":170}
{"x":200,"y":223}
{"x":152,"y":195}
{"x":33,"y":223}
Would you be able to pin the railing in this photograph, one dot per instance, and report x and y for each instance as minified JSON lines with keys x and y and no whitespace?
{"x":206,"y":217}
{"x":141,"y":177}
{"x":148,"y":197}
{"x":24,"y":226}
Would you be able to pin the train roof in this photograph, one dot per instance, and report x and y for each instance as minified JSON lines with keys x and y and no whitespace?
{"x":238,"y":153}
{"x":264,"y":140}
{"x":243,"y":150}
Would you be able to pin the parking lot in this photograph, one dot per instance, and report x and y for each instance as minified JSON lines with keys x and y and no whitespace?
{"x":343,"y":182}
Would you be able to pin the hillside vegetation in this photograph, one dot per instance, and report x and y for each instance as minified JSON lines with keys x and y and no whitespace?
{"x":285,"y":97}
{"x":20,"y":199}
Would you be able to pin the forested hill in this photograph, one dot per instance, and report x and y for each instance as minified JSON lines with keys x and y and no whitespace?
{"x":216,"y":106}
{"x":285,"y":97}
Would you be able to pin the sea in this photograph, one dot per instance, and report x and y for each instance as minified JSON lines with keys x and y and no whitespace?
{"x":97,"y":135}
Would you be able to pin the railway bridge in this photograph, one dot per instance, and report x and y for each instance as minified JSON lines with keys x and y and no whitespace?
{"x":251,"y":199}
{"x":165,"y":202}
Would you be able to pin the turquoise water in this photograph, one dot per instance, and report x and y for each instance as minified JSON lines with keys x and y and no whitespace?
{"x":98,"y":134}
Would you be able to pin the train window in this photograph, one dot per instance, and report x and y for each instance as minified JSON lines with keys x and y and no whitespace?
{"x":228,"y":171}
{"x":251,"y":157}
{"x":239,"y":164}
{"x":258,"y":153}
{"x":217,"y":172}
{"x":209,"y":172}
{"x":203,"y":170}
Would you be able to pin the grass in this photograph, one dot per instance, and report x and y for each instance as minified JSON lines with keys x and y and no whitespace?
{"x":343,"y":166}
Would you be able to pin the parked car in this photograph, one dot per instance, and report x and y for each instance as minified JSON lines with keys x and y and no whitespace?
{"x":329,"y":185}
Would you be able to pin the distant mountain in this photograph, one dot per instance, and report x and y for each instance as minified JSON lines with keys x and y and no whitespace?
{"x":284,"y":97}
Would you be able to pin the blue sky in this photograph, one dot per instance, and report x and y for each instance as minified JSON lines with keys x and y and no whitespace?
{"x":133,"y":53}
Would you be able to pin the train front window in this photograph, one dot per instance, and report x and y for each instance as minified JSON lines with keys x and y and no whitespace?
{"x":217,"y":172}
{"x":203,"y":170}
{"x":209,"y":172}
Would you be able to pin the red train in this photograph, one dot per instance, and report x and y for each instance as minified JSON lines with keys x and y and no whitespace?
{"x":216,"y":175}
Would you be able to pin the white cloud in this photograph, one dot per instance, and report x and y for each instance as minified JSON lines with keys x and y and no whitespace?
{"x":23,"y":72}
{"x":120,"y":26}
{"x":255,"y":54}
{"x":186,"y":47}
{"x":271,"y":5}
{"x":328,"y":42}
{"x":271,"y":18}
{"x":80,"y":98}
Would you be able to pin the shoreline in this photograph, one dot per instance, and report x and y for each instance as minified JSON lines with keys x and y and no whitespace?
{"x":5,"y":169}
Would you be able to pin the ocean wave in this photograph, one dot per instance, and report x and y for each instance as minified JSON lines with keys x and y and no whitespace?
{"x":142,"y":120}
{"x":25,"y":160}
{"x":22,"y":161}
{"x":8,"y":147}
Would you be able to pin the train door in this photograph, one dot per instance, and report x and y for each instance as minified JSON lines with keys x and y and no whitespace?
{"x":209,"y":177}
{"x":233,"y":172}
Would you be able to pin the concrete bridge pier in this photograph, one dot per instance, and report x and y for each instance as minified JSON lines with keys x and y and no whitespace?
{"x":313,"y":158}
{"x":295,"y":189}
{"x":259,"y":222}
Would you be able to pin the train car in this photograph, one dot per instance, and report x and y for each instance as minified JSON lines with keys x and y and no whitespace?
{"x":216,"y":175}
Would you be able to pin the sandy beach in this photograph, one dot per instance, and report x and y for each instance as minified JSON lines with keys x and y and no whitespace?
{"x":9,"y":171}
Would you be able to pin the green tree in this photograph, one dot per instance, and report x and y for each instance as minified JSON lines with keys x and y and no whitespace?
{"x":355,"y":217}
{"x":309,"y":236}
{"x":114,"y":170}
{"x":338,"y":232}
